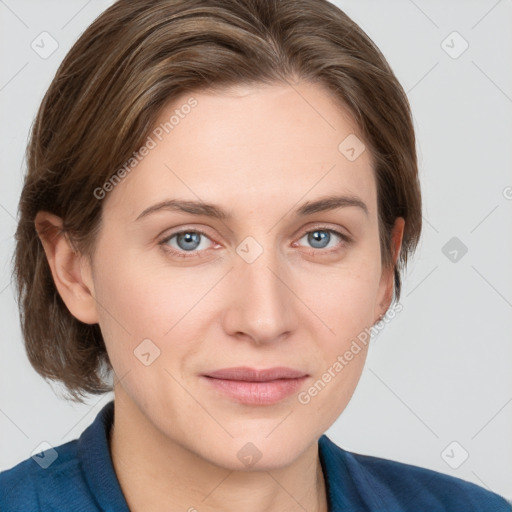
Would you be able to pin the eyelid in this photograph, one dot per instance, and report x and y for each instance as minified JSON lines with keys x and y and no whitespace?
{"x":346,"y":239}
{"x":166,"y":238}
{"x":326,"y":227}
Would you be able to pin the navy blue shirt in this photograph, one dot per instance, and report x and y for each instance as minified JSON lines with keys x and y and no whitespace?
{"x":81,"y":478}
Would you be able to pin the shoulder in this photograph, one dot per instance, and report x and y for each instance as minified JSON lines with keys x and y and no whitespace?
{"x":77,"y":475}
{"x":384,"y":484}
{"x":412,"y":485}
{"x":42,"y":482}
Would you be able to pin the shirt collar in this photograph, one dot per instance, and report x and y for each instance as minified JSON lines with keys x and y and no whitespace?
{"x":342,"y":491}
{"x":94,"y":452}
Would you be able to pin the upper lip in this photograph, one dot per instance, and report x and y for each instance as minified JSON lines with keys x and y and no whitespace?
{"x":245,"y":373}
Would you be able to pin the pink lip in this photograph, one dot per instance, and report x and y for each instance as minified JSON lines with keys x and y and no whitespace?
{"x":257,"y":387}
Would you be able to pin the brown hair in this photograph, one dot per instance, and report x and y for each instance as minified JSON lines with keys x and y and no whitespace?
{"x":108,"y":92}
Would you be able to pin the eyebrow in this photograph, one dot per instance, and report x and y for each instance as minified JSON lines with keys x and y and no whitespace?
{"x":211,"y":210}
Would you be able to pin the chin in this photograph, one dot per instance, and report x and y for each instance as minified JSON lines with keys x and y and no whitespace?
{"x":257,"y":451}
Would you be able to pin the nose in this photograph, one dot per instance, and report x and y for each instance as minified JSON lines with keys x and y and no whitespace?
{"x":261,"y":306}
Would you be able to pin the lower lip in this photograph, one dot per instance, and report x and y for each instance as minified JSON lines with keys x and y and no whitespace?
{"x":257,"y":393}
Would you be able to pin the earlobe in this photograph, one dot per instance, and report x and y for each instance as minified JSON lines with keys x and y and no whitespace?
{"x":72,"y":278}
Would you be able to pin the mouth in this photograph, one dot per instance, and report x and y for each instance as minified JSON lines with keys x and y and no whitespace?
{"x":243,"y":373}
{"x":256,"y":387}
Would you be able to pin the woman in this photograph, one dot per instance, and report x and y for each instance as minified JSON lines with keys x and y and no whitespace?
{"x":185,"y":163}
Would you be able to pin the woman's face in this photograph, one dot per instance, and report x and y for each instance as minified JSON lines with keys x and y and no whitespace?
{"x":269,"y":285}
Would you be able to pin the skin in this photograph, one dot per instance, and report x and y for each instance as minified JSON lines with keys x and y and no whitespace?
{"x":259,"y":152}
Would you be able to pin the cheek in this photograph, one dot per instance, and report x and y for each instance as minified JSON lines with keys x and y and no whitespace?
{"x":344,"y":298}
{"x":141,"y":297}
{"x":143,"y":300}
{"x":345,"y":304}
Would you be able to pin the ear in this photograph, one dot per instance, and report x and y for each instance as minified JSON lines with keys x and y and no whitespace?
{"x":70,"y":270}
{"x":387,"y":281}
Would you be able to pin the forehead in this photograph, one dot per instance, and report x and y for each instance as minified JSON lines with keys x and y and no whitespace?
{"x":250,"y":147}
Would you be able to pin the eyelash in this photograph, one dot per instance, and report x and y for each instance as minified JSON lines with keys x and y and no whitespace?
{"x":191,"y":254}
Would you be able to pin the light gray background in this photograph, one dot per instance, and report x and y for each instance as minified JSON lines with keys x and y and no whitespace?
{"x":441,"y":370}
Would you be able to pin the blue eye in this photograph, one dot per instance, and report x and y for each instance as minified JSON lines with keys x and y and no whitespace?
{"x":187,"y":243}
{"x":319,"y":238}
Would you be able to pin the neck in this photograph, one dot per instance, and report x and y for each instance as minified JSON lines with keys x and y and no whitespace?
{"x":156,"y":473}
